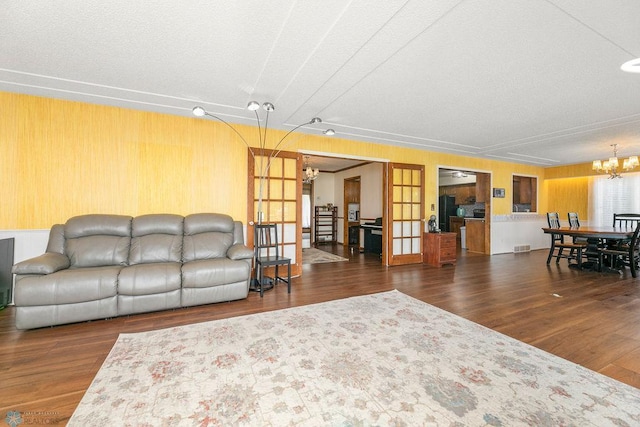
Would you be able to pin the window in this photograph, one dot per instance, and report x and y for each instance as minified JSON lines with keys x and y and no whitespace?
{"x":525,"y":193}
{"x":609,"y":196}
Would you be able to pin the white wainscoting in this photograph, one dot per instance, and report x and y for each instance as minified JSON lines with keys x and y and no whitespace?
{"x":509,"y":231}
{"x":27,"y":244}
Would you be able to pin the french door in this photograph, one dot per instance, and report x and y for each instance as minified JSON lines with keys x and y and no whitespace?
{"x":273,"y":193}
{"x":405,"y":210}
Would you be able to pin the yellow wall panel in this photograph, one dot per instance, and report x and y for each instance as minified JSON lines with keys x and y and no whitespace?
{"x":161,"y":190}
{"x":568,"y":195}
{"x":68,"y":158}
{"x":9,"y":165}
{"x":570,"y":171}
{"x":61,"y":158}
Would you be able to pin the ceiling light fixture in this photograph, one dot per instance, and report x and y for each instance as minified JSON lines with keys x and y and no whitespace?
{"x":612,"y":165}
{"x":309,"y":173}
{"x":264,"y":167}
{"x":632,"y":66}
{"x":458,"y":174}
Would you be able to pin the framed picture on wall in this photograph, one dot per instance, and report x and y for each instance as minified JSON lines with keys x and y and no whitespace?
{"x":498,"y":192}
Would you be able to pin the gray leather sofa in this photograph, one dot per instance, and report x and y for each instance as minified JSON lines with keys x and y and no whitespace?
{"x":101,"y":266}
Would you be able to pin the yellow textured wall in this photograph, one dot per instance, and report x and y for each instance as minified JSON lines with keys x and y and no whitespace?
{"x":61,"y":158}
{"x":568,"y":195}
{"x":567,"y":189}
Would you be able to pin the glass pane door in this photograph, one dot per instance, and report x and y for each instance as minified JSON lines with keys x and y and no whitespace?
{"x":273,"y":199}
{"x":406,"y":209}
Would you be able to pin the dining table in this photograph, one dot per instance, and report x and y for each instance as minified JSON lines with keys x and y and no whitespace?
{"x":593,"y":232}
{"x":595,"y":235}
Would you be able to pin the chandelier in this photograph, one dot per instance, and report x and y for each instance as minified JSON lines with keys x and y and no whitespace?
{"x":309,"y":173}
{"x":612,"y":165}
{"x":264,"y":166}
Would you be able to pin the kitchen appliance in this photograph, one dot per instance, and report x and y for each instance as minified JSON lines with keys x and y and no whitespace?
{"x":446,"y":207}
{"x":353,"y":212}
{"x":478,"y":213}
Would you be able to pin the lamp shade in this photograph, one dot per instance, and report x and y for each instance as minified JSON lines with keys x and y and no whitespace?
{"x":612,"y":166}
{"x":198,"y":111}
{"x":632,"y":66}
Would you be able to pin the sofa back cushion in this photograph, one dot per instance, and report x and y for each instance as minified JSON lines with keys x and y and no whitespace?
{"x":97,"y":240}
{"x":56,"y":239}
{"x":207,"y":236}
{"x":238,"y":233}
{"x":156,"y":238}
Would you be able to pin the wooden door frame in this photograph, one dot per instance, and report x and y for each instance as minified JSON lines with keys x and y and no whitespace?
{"x":488,"y":197}
{"x":296,"y":268}
{"x":387,"y":235}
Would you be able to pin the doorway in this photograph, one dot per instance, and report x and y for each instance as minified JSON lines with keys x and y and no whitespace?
{"x":464,"y":207}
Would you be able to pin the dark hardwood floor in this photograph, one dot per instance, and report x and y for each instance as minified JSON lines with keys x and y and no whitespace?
{"x":590,"y":318}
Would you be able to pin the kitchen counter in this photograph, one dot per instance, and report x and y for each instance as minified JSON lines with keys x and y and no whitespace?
{"x":455,"y":222}
{"x":475,"y":234}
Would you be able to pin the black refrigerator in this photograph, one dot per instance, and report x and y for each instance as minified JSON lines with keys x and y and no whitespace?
{"x":447,"y":207}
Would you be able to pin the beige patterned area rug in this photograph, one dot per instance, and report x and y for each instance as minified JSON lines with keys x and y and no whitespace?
{"x":316,"y":256}
{"x":385,"y":359}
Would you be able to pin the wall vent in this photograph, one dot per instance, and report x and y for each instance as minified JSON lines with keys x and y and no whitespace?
{"x":521,"y":248}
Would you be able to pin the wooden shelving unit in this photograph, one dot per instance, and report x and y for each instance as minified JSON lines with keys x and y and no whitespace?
{"x":326,"y":225}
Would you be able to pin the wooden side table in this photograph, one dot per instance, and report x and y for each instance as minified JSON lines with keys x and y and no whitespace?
{"x":439,"y":249}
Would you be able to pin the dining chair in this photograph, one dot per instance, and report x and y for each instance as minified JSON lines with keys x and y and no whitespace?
{"x":574,"y":222}
{"x":625,"y":220}
{"x":267,"y":254}
{"x":558,"y":244}
{"x":626,"y":255}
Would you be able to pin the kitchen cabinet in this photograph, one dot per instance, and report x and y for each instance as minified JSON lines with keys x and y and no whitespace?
{"x":521,"y":189}
{"x":525,"y":191}
{"x":482,"y":183}
{"x":465,"y":194}
{"x":475,"y":235}
{"x":439,"y":249}
{"x":455,"y":222}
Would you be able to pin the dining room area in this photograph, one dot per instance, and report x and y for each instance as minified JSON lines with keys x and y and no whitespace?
{"x":601,"y":248}
{"x":593,"y":222}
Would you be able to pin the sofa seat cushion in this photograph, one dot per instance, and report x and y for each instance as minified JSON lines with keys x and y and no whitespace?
{"x":67,"y":286}
{"x":48,"y":315}
{"x":146,"y":279}
{"x":214,"y":272}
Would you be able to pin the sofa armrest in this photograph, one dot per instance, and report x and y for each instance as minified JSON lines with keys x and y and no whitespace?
{"x":239,"y":251}
{"x":47,"y":263}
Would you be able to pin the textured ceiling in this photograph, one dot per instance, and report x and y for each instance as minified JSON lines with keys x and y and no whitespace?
{"x":527,"y":81}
